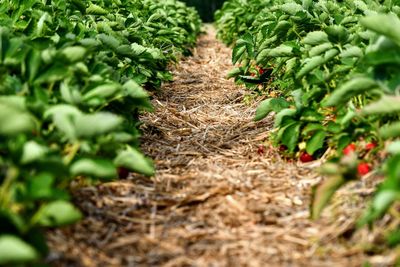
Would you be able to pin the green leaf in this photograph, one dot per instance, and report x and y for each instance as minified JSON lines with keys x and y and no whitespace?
{"x":281,"y":51}
{"x":352,"y":51}
{"x":88,"y":125}
{"x":103,"y":91}
{"x":291,"y":8}
{"x":109,"y":41}
{"x":382,"y":57}
{"x":99,"y":168}
{"x":4,"y":42}
{"x":310,"y":65}
{"x":390,"y":131}
{"x":63,"y":118}
{"x":135,"y":161}
{"x":41,"y":186}
{"x":14,"y":250}
{"x":385,"y":105}
{"x":316,"y":142}
{"x":53,"y":74}
{"x":74,"y":53}
{"x":380,"y":204}
{"x":14,"y":118}
{"x":269,"y":105}
{"x":394,"y":148}
{"x":33,"y":151}
{"x":312,"y":127}
{"x":337,"y":33}
{"x":385,"y":24}
{"x":319,"y":49}
{"x":331,"y":53}
{"x":290,"y":136}
{"x":323,"y":193}
{"x":349,"y":89}
{"x":234,"y":72}
{"x":96,"y":10}
{"x":237,"y":52}
{"x":288,"y":112}
{"x":134,"y":90}
{"x":57,"y":213}
{"x":316,"y":38}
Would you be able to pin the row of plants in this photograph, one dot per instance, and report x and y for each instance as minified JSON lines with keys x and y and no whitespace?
{"x":74,"y":77}
{"x":329,"y":70}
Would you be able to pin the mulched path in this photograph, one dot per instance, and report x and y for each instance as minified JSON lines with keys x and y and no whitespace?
{"x":217,"y":200}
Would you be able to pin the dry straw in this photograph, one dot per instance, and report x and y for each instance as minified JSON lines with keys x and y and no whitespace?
{"x":214,"y":201}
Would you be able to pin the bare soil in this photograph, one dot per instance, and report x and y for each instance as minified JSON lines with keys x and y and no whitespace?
{"x":217,"y":199}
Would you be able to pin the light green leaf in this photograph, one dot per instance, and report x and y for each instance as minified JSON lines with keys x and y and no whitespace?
{"x":53,"y":74}
{"x":352,"y":51}
{"x":288,"y":112}
{"x":316,"y":38}
{"x":74,"y":53}
{"x":390,"y":131}
{"x":15,"y":119}
{"x":103,"y":91}
{"x":385,"y":105}
{"x":319,"y":49}
{"x":309,"y":65}
{"x":281,"y":51}
{"x":87,"y":125}
{"x":350,"y":89}
{"x":33,"y":151}
{"x":57,"y":213}
{"x":316,"y":142}
{"x":135,"y":161}
{"x":15,"y":250}
{"x":290,"y":136}
{"x":385,"y":24}
{"x":322,"y":194}
{"x":269,"y":105}
{"x":94,"y":9}
{"x":94,"y":167}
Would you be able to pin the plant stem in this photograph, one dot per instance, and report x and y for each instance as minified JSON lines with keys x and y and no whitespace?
{"x":5,"y":189}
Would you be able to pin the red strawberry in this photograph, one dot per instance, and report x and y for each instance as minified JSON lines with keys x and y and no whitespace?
{"x":363,"y":168}
{"x":305,"y":157}
{"x":122,"y":173}
{"x":261,"y":150}
{"x":370,"y":146}
{"x":349,"y":149}
{"x":282,"y":148}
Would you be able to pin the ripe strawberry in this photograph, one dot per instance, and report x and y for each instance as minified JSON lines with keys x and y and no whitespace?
{"x":349,"y":149}
{"x":363,"y":168}
{"x":282,"y":148}
{"x":122,"y":173}
{"x":305,"y":157}
{"x":370,"y":146}
{"x":261,"y":150}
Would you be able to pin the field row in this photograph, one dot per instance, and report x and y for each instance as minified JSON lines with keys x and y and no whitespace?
{"x":74,"y":77}
{"x":329,"y":71}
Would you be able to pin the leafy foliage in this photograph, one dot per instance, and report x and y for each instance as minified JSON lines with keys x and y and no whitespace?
{"x":335,"y":65}
{"x":72,"y":79}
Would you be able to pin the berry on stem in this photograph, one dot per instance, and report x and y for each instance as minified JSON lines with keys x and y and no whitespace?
{"x":349,"y":149}
{"x":305,"y":157}
{"x":370,"y":146}
{"x":363,"y":168}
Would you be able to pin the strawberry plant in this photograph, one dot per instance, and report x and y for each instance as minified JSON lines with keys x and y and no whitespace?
{"x":334,"y":84}
{"x":72,"y":79}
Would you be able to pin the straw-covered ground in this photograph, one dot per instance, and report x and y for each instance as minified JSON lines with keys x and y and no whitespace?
{"x":216,"y":199}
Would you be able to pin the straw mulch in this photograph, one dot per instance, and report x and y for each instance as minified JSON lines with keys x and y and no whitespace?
{"x":215,"y":200}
